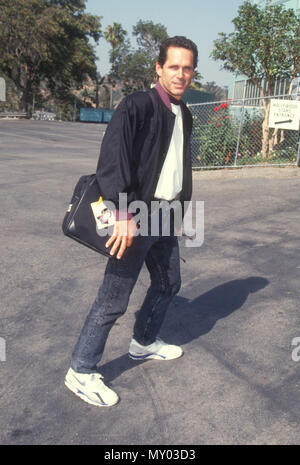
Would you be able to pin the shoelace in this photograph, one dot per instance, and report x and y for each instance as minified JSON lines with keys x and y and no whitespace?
{"x":98,"y":376}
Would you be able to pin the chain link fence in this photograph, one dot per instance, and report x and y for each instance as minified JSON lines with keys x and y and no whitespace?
{"x":236,"y":133}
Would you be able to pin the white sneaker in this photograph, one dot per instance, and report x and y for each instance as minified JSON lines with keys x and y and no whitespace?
{"x":91,"y":388}
{"x":158,"y":350}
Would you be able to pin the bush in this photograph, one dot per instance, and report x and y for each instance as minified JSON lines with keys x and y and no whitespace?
{"x":217,"y":137}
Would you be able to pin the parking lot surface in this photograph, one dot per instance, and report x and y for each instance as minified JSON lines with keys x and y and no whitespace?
{"x":236,"y":316}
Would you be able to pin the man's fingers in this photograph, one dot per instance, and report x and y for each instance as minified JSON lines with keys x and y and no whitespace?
{"x":122,"y":248}
{"x":111,"y":240}
{"x":115,"y":235}
{"x":117,"y":242}
{"x":122,"y":237}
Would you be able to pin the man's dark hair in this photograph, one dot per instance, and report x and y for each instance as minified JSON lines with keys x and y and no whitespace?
{"x":177,"y":41}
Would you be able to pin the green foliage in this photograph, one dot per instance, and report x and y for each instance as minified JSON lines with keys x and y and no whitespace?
{"x":134,"y":70}
{"x":217,"y":137}
{"x":252,"y":131}
{"x":219,"y":133}
{"x":135,"y":67}
{"x":115,"y":35}
{"x":47,"y":41}
{"x":265,"y":43}
{"x":149,"y":36}
{"x":220,"y":93}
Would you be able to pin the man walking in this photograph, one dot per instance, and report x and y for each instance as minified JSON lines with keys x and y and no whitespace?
{"x":145,"y":153}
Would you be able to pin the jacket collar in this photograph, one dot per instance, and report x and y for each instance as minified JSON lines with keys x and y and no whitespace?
{"x":165,"y":97}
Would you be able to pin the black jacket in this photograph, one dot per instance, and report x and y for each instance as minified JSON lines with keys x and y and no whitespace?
{"x":135,"y":145}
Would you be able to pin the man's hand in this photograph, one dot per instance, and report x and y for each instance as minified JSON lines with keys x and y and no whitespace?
{"x":122,"y":237}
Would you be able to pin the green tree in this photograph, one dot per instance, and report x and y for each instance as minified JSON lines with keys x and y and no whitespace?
{"x":135,"y":66}
{"x":149,"y":36}
{"x":220,"y":93}
{"x":47,"y":40}
{"x":264,"y":45}
{"x":115,"y":35}
{"x":134,"y":71}
{"x":196,"y":81}
{"x":217,"y":137}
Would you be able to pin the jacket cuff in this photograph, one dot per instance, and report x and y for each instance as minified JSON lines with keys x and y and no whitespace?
{"x":123,"y":215}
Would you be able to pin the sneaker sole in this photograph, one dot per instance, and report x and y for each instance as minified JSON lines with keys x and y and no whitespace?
{"x":85,"y":397}
{"x":153,"y":357}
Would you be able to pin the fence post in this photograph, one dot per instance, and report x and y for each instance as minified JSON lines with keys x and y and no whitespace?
{"x":239,"y":133}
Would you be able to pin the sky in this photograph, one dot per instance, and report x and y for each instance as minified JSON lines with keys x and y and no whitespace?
{"x":199,"y":20}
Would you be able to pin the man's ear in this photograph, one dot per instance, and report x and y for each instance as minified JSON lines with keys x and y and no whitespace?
{"x":158,"y":69}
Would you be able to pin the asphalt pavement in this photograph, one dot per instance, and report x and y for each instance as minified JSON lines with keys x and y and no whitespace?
{"x":236,"y":316}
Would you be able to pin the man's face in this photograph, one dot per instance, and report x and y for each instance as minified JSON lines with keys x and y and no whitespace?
{"x":177,"y":72}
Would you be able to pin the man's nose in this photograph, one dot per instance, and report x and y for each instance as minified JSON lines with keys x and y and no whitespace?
{"x":180,"y":73}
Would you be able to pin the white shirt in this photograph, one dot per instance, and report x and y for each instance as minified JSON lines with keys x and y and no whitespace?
{"x":170,"y":179}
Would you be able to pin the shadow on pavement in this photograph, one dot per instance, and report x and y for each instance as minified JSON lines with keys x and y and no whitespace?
{"x":187,"y":320}
{"x":198,"y":316}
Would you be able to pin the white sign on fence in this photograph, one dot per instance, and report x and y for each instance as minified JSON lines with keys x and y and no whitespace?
{"x":2,"y":90}
{"x":284,"y":114}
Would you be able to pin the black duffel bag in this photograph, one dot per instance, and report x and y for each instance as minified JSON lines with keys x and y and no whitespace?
{"x":88,"y":220}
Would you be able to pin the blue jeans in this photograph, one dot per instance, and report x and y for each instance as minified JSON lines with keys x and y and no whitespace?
{"x":161,"y":255}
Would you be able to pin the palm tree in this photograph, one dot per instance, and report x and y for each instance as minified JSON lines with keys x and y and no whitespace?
{"x":115,"y":35}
